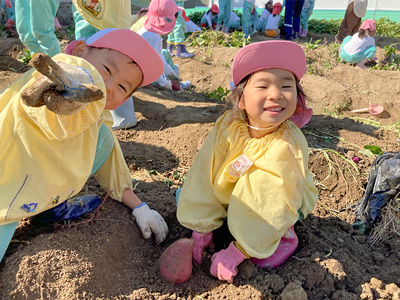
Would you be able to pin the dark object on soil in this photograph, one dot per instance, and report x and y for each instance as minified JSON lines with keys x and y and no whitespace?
{"x":383,"y":185}
{"x":70,"y":209}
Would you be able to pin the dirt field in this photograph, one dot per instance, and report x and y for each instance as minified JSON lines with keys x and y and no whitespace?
{"x":108,"y":259}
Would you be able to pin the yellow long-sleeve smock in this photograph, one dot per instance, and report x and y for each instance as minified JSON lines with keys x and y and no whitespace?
{"x":261,"y":204}
{"x":46,"y":158}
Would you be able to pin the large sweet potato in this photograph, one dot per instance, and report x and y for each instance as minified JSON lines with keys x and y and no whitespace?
{"x":176,"y":261}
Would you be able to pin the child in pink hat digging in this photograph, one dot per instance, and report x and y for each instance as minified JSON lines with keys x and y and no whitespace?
{"x":252,"y":170}
{"x":55,"y":129}
{"x":161,"y":19}
{"x":210,"y":17}
{"x":360,"y":47}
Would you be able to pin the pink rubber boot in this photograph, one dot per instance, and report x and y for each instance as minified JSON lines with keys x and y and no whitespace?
{"x":286,"y":247}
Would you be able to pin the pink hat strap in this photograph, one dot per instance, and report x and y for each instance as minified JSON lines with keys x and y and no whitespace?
{"x":302,"y":114}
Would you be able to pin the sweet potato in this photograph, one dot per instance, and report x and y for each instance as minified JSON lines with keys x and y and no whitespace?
{"x":176,"y":261}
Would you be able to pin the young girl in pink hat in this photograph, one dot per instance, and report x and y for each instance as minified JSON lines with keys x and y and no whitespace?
{"x":56,"y":132}
{"x":161,"y":20}
{"x":360,"y":47}
{"x":252,"y":170}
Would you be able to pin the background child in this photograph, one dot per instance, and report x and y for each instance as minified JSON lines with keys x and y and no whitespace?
{"x":356,"y":10}
{"x":292,"y":18}
{"x":176,"y":38}
{"x":210,"y":18}
{"x":51,"y":152}
{"x":161,"y":20}
{"x":306,"y":13}
{"x":272,"y":26}
{"x":253,"y":167}
{"x":190,"y":26}
{"x":234,"y":21}
{"x":35,"y":25}
{"x":225,"y":8}
{"x":360,"y":47}
{"x":262,"y":21}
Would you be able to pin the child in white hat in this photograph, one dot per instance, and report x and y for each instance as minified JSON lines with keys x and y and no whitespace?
{"x":56,"y":133}
{"x":252,"y":170}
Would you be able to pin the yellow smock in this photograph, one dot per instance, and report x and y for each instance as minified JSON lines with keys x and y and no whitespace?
{"x":261,"y":204}
{"x":46,"y":158}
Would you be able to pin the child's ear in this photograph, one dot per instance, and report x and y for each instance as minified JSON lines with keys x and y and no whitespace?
{"x":80,"y":49}
{"x":241,"y":103}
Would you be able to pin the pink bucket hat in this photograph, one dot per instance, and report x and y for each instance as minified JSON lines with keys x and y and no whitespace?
{"x":161,"y":16}
{"x":285,"y":55}
{"x":132,"y":45}
{"x":368,"y":24}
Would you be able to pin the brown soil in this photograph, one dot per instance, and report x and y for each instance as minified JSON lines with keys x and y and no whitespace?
{"x":108,"y":259}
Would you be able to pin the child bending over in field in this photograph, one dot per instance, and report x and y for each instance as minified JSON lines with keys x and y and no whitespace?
{"x":55,"y":135}
{"x":210,"y":18}
{"x":252,"y":170}
{"x":360,"y":47}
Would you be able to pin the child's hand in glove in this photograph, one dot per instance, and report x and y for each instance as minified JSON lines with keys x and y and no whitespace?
{"x":64,"y":89}
{"x":201,"y":242}
{"x":174,"y":77}
{"x":225,"y":262}
{"x":149,"y":222}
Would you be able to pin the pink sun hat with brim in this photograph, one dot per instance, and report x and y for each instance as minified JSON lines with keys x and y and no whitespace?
{"x":285,"y":55}
{"x":214,"y":8}
{"x":368,"y":24}
{"x":161,"y":17}
{"x":132,"y":45}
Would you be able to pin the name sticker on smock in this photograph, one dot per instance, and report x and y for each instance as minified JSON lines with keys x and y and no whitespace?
{"x":92,"y":7}
{"x":240,"y":166}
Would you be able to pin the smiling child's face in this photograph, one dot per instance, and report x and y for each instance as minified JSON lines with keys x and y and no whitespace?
{"x":269,"y":98}
{"x":120,"y":74}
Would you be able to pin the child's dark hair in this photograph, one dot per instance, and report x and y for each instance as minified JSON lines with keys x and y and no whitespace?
{"x":237,"y":94}
{"x":362,"y":33}
{"x":268,"y":5}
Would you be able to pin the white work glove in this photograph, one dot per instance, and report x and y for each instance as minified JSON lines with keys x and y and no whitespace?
{"x":168,"y":85}
{"x":173,"y":76}
{"x":149,"y":222}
